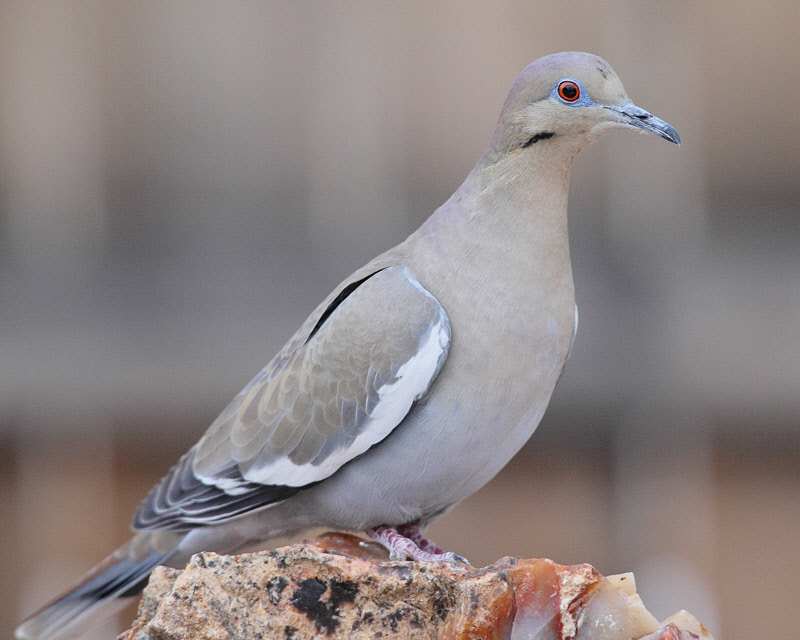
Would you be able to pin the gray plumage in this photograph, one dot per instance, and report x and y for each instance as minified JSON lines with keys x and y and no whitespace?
{"x":415,"y":381}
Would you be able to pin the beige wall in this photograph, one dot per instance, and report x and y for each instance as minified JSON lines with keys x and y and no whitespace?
{"x":181,"y":182}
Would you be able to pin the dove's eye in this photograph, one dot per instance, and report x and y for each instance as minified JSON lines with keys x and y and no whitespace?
{"x":569,"y":91}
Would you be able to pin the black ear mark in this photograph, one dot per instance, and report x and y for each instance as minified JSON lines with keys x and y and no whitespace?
{"x":542,"y":135}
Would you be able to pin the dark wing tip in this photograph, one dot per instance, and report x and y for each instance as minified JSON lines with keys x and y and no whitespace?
{"x":182,"y":501}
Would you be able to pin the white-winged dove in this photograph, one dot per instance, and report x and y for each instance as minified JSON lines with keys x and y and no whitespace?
{"x":413,"y":383}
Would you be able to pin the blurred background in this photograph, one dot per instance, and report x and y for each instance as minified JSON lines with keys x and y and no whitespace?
{"x":182,"y":182}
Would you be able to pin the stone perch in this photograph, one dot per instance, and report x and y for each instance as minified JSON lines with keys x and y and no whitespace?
{"x":340,"y":586}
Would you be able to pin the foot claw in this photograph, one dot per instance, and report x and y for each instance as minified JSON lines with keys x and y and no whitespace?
{"x":396,"y":554}
{"x":454,"y":557}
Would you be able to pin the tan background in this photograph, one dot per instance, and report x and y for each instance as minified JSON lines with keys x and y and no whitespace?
{"x":182,"y":182}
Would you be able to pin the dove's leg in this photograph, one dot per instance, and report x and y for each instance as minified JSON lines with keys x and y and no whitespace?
{"x":403,"y":548}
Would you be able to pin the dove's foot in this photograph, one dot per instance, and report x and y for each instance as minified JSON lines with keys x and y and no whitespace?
{"x":406,"y":542}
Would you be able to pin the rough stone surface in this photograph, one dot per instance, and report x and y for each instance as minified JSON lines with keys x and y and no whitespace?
{"x":339,"y":586}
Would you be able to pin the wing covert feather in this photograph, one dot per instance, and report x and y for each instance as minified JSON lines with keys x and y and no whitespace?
{"x":339,"y":393}
{"x":342,"y":384}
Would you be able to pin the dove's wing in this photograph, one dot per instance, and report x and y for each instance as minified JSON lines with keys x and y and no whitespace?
{"x":343,"y":383}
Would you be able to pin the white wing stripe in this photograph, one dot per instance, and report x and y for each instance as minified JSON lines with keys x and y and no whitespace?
{"x":394,"y":402}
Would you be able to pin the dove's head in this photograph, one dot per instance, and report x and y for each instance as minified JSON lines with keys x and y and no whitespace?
{"x":569,"y":100}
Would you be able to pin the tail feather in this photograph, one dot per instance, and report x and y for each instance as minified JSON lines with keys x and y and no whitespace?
{"x":102,"y":592}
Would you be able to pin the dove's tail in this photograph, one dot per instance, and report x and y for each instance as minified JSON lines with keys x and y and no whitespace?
{"x":98,"y":595}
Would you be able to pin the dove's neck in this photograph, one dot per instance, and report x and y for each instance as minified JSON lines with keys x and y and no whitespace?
{"x":510,"y":214}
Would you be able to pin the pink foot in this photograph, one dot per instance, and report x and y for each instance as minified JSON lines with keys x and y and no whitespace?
{"x":411,"y":544}
{"x":412,"y":532}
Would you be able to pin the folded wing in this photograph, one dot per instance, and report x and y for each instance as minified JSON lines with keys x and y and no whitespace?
{"x":341,"y":385}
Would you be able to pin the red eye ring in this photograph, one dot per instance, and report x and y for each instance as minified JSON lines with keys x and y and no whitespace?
{"x":569,"y":91}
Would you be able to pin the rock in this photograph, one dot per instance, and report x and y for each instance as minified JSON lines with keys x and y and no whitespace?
{"x":339,"y":586}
